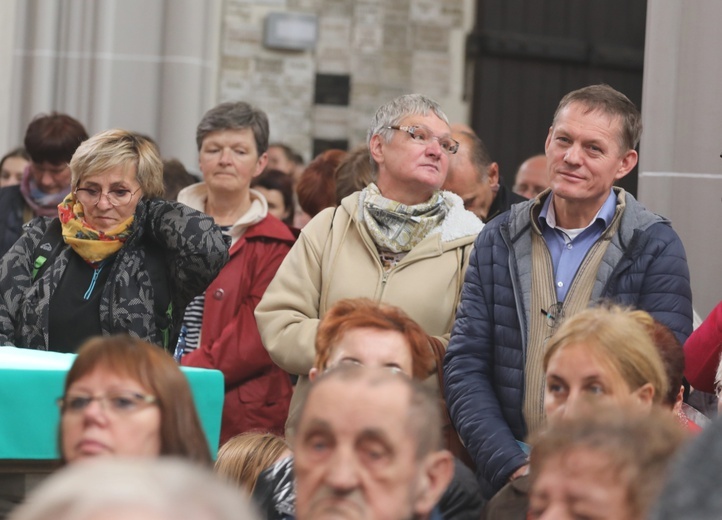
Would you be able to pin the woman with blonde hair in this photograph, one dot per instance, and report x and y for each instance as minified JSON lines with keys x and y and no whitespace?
{"x":245,"y":456}
{"x":116,"y":259}
{"x":602,"y":356}
{"x":603,"y":353}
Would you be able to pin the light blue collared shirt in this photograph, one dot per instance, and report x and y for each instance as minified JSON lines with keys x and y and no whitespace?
{"x":568,"y":253}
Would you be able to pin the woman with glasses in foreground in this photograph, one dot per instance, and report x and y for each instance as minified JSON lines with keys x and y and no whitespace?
{"x":117,"y":259}
{"x":127,"y":398}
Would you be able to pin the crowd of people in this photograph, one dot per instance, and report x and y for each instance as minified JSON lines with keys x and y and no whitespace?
{"x":401,"y":335}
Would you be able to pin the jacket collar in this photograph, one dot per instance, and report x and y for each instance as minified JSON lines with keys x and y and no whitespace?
{"x":196,"y":195}
{"x":635,"y":216}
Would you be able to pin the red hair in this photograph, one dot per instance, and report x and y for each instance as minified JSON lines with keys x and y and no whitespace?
{"x":358,"y":313}
{"x":316,"y":188}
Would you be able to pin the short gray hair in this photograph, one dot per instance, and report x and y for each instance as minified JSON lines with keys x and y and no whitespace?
{"x":424,"y":423}
{"x":395,"y":110}
{"x":170,"y":488}
{"x":235,"y":115}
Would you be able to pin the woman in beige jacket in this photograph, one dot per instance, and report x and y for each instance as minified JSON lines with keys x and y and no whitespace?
{"x":401,"y":241}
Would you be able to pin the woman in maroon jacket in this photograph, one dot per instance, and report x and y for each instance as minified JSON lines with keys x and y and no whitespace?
{"x":220,"y":329}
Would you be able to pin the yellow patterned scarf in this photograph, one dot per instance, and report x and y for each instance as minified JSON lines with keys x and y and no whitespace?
{"x":92,"y":245}
{"x":396,"y":227}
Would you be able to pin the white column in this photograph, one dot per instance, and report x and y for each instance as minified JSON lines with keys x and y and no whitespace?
{"x":8,"y":138}
{"x":144,"y":65}
{"x":680,"y":166}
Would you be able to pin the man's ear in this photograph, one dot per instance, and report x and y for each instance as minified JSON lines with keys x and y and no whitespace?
{"x":436,"y":472}
{"x":628,"y":162}
{"x":493,"y":174}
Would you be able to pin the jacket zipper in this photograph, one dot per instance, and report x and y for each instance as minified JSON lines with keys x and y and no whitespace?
{"x":96,"y":274}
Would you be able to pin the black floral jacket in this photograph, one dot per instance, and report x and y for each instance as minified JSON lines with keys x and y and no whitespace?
{"x":193,"y":248}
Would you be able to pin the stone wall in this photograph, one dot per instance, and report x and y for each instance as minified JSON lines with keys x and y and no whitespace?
{"x":367,"y":52}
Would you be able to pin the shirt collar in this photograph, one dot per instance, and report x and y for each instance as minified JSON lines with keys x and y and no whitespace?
{"x":547,"y":217}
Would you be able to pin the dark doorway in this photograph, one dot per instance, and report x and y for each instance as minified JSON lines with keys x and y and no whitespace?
{"x":524,"y":55}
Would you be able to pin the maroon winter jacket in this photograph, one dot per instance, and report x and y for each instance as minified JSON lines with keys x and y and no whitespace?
{"x":257,"y":391}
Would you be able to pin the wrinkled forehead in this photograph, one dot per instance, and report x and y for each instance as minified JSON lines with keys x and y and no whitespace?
{"x":587,"y":459}
{"x":358,"y":405}
{"x":587,"y":109}
{"x":430,"y":120}
{"x":370,"y":345}
{"x":613,"y":121}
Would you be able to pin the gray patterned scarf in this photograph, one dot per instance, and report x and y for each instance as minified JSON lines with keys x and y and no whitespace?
{"x":397,"y":227}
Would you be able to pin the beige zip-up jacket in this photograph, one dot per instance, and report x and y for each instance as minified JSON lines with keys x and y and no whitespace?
{"x":335,"y":258}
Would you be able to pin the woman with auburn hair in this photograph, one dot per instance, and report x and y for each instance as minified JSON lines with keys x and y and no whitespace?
{"x":126,"y":397}
{"x":316,"y":188}
{"x":246,"y":455}
{"x":351,"y":320}
{"x":115,"y":259}
{"x":362,"y":332}
{"x":50,"y":141}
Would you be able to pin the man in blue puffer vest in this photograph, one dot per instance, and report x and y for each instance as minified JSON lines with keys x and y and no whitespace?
{"x":579,"y":242}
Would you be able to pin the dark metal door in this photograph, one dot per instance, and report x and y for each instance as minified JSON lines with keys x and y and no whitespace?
{"x":524,"y":55}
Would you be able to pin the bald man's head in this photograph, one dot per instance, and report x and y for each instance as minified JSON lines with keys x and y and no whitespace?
{"x":368,"y":445}
{"x":532,"y":177}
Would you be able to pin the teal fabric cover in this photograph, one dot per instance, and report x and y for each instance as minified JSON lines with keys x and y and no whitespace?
{"x":32,"y":380}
